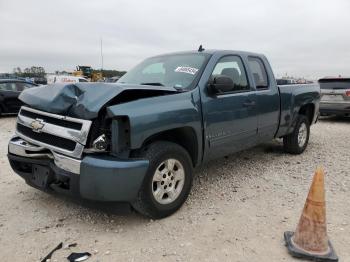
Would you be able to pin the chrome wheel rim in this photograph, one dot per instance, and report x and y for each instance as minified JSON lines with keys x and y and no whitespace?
{"x":302,"y":135}
{"x":168,"y":181}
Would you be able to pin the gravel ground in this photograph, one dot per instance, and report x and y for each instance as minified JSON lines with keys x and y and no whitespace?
{"x":238,"y":210}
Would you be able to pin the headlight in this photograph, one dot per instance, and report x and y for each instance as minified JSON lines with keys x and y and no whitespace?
{"x":100,"y":143}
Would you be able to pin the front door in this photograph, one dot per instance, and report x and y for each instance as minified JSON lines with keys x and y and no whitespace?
{"x":230,"y":118}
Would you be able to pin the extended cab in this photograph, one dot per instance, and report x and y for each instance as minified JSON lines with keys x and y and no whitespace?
{"x":138,"y":140}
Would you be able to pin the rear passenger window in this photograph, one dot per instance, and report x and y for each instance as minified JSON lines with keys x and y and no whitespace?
{"x":258,"y":70}
{"x":232,"y":67}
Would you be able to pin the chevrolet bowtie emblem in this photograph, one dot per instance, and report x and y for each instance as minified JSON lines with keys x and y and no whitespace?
{"x":37,"y":125}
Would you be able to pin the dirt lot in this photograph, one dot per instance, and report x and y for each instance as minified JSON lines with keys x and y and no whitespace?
{"x":238,"y":210}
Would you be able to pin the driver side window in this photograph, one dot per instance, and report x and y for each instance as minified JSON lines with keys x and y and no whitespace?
{"x":232,"y":67}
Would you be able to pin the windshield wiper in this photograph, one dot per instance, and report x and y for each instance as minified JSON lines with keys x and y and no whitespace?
{"x":152,"y":84}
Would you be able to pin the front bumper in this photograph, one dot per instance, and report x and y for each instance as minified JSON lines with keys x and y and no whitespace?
{"x":100,"y":177}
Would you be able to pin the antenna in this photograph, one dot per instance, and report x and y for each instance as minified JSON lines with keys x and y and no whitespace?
{"x":201,"y":49}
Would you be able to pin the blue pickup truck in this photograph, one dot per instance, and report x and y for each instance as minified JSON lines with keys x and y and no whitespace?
{"x":138,"y":141}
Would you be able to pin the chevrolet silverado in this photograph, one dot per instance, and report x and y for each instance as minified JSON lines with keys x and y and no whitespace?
{"x":139,"y":140}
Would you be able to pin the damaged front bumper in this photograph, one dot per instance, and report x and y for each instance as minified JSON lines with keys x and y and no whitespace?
{"x":20,"y":147}
{"x":94,"y":177}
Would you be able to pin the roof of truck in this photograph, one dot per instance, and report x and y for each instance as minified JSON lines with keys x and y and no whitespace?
{"x":213,"y":51}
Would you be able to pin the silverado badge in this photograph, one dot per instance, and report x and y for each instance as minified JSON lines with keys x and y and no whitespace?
{"x":37,"y":125}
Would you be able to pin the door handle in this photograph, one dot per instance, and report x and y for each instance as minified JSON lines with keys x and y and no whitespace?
{"x":249,"y":103}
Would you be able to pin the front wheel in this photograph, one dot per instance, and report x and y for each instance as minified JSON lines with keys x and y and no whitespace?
{"x":168,"y":180}
{"x":296,"y":142}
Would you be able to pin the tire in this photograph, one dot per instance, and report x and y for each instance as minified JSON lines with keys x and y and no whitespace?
{"x":295,"y":144}
{"x":161,"y":156}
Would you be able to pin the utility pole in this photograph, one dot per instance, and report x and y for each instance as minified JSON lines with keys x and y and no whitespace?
{"x":101,"y":56}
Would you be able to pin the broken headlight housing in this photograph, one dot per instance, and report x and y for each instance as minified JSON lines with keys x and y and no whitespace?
{"x":101,"y":143}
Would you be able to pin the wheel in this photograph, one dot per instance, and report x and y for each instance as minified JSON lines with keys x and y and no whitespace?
{"x":168,"y":180}
{"x":296,"y":142}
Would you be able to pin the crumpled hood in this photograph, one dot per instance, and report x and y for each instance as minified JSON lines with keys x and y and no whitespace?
{"x":80,"y":100}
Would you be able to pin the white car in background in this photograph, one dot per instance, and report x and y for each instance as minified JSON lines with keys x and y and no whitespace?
{"x":65,"y":79}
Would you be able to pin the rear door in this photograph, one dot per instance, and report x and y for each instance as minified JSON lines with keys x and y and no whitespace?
{"x":230,"y":118}
{"x":267,"y":95}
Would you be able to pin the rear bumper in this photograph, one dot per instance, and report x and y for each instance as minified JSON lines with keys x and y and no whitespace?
{"x":334,"y":108}
{"x":101,"y":177}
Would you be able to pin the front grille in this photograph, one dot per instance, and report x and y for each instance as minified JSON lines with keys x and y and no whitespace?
{"x":47,"y":138}
{"x":61,"y":134}
{"x":55,"y":121}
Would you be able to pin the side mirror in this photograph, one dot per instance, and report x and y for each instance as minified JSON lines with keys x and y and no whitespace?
{"x":221,"y":84}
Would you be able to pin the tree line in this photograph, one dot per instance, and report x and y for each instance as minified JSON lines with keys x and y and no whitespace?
{"x":39,"y":72}
{"x":34,"y":71}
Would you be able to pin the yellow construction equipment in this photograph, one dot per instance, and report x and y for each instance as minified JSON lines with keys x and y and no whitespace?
{"x":89,"y":73}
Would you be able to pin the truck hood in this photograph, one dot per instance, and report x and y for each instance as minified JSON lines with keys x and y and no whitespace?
{"x":85,"y":100}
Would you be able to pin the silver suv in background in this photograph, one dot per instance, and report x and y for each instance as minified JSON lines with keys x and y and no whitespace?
{"x":335,"y":96}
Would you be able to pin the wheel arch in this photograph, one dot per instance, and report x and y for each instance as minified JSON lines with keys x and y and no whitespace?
{"x":183,"y":136}
{"x":308,"y":110}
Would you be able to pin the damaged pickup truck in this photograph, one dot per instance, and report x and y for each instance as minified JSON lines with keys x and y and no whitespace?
{"x":139,"y":140}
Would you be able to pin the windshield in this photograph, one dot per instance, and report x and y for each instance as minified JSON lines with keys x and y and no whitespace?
{"x":178,"y":71}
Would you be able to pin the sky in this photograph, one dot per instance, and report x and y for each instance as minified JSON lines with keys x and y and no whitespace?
{"x":304,"y":38}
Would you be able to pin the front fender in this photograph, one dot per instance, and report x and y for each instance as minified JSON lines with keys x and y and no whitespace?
{"x":154,"y":115}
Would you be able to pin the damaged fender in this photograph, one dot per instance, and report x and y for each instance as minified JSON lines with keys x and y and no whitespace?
{"x":151,"y":116}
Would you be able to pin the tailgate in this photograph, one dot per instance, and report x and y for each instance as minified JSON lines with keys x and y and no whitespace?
{"x":335,"y":90}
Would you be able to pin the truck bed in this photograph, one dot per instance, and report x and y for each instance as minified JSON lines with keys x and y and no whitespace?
{"x":292,"y":97}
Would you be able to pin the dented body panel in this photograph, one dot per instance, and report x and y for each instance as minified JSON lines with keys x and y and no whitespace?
{"x":294,"y":97}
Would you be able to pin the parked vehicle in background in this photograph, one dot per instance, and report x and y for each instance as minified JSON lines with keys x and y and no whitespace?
{"x":282,"y":81}
{"x":112,"y":79}
{"x":9,"y":92}
{"x":138,"y":140}
{"x":335,"y":96}
{"x":51,"y":79}
{"x":39,"y":80}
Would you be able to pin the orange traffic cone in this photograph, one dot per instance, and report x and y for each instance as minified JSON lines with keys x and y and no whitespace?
{"x":310,"y":240}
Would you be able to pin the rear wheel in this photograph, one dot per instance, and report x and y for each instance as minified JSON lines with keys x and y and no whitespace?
{"x":168,"y":180}
{"x":296,"y":142}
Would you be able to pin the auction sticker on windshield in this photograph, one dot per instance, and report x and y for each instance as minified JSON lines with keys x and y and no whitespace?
{"x":187,"y":70}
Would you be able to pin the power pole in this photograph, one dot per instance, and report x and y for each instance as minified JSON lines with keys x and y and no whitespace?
{"x":101,"y":56}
